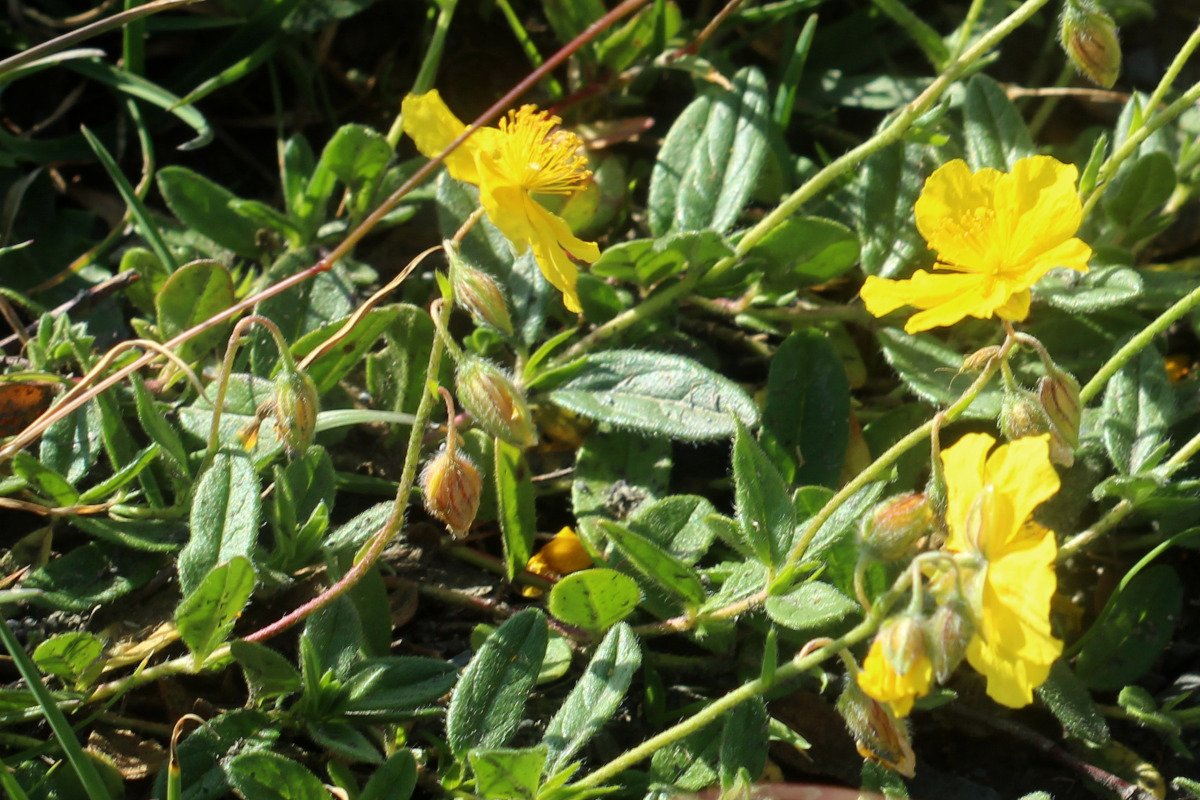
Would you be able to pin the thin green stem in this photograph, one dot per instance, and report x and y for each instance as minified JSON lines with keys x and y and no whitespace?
{"x":429,"y":65}
{"x":928,"y":40}
{"x":375,"y":547}
{"x":89,"y":778}
{"x":528,"y":47}
{"x":715,"y":709}
{"x":235,"y":340}
{"x":890,"y":456}
{"x":1138,"y":343}
{"x":1173,"y":69}
{"x":1123,"y":509}
{"x":1134,"y":141}
{"x":964,"y":35}
{"x":807,"y":658}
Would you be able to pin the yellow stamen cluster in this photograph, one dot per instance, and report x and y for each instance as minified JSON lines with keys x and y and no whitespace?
{"x":538,"y":156}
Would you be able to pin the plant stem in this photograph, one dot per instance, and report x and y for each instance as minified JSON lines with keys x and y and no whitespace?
{"x":433,"y":58}
{"x":889,"y":457}
{"x":710,"y":713}
{"x":1173,"y":70}
{"x":1131,"y":144}
{"x":374,"y":549}
{"x":1138,"y":343}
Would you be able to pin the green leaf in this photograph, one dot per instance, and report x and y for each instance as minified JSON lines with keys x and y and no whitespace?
{"x":489,"y":700}
{"x":679,"y":523}
{"x":68,"y":655}
{"x":807,"y":409}
{"x":391,"y":686}
{"x":995,"y":134}
{"x":264,"y":775}
{"x":648,"y":261}
{"x":811,"y":607}
{"x":669,"y":572}
{"x":515,"y":508}
{"x":1097,"y":289}
{"x":204,"y":206}
{"x":357,"y":157}
{"x":349,"y":353}
{"x":394,"y":780}
{"x":1133,"y":632}
{"x":1069,"y":700}
{"x":764,"y":505}
{"x":594,"y":599}
{"x":805,"y":251}
{"x":744,"y":741}
{"x":45,"y":481}
{"x":711,"y":158}
{"x":72,"y":444}
{"x":396,"y":375}
{"x":1138,"y":405}
{"x":932,"y":372}
{"x":617,"y":472}
{"x":507,"y":774}
{"x":137,"y":86}
{"x":1140,"y":188}
{"x":195,"y":292}
{"x":891,"y":182}
{"x":206,"y":615}
{"x":268,"y":674}
{"x":344,"y":741}
{"x":163,"y":433}
{"x":224,"y":518}
{"x":595,"y":697}
{"x":657,"y":394}
{"x":90,"y":575}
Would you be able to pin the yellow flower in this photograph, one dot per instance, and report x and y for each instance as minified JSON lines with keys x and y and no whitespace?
{"x":560,"y":556}
{"x":524,"y":157}
{"x":995,"y":235}
{"x":991,"y":496}
{"x":880,"y":680}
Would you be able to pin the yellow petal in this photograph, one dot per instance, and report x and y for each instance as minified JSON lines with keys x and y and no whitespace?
{"x":1038,"y":207}
{"x":881,"y":682}
{"x":1016,"y":307}
{"x":956,"y":214}
{"x":1022,"y":471}
{"x":432,"y":126}
{"x":945,"y":297}
{"x":963,"y":464}
{"x":1010,"y":682}
{"x":1018,"y":591}
{"x":1071,"y":254}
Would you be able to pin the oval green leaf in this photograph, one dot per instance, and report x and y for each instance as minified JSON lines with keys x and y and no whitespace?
{"x":594,"y":599}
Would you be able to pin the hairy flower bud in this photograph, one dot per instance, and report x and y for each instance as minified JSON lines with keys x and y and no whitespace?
{"x":903,"y":642}
{"x":295,"y":405}
{"x":492,"y":398}
{"x":451,"y":486}
{"x":878,"y":734}
{"x":1021,"y":415}
{"x":1089,"y":38}
{"x":947,"y":631}
{"x":1058,"y":394}
{"x":477,"y":293}
{"x":894,"y":527}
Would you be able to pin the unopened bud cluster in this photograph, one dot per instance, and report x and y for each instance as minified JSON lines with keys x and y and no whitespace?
{"x":1053,"y":408}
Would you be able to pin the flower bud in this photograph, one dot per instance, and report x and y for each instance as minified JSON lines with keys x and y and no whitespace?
{"x":903,"y":642}
{"x":477,"y":293}
{"x":947,"y":631}
{"x":451,"y":486}
{"x":1089,"y":38}
{"x":878,"y":734}
{"x":894,"y":527}
{"x":1021,"y":415}
{"x":492,"y":398}
{"x":295,"y":404}
{"x":1058,"y":394}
